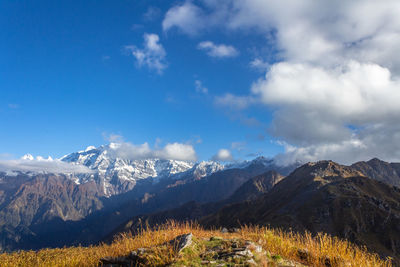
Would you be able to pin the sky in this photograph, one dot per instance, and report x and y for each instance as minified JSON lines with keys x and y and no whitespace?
{"x":296,"y":80}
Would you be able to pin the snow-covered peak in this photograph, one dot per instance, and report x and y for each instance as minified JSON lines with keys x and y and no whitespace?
{"x":261,"y":160}
{"x":89,"y":148}
{"x":114,"y":170}
{"x":206,"y":168}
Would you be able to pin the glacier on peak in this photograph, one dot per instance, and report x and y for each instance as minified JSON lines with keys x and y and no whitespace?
{"x":118,"y":175}
{"x":115,"y":174}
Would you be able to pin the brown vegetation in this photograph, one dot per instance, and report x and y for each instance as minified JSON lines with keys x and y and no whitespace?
{"x":285,"y":244}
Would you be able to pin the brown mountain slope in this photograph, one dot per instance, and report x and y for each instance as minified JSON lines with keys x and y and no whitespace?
{"x":380,"y":170}
{"x":52,"y":211}
{"x":256,"y":187}
{"x":192,"y":211}
{"x":26,"y":203}
{"x":326,"y":197}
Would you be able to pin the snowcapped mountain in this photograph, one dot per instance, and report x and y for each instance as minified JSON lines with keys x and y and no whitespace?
{"x":201,"y":169}
{"x":118,"y":175}
{"x":104,"y":161}
{"x":113,"y":172}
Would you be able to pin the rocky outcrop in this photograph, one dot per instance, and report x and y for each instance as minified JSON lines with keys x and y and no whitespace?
{"x":190,"y":251}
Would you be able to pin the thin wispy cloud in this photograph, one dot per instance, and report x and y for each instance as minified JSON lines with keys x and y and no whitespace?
{"x":200,"y":88}
{"x":259,"y":64}
{"x":234,"y":102}
{"x":41,"y":165}
{"x":152,"y":55}
{"x":113,"y":137}
{"x":151,"y":14}
{"x":218,"y":50}
{"x":239,"y":146}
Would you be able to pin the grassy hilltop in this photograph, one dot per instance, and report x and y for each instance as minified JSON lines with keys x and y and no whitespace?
{"x":278,"y":244}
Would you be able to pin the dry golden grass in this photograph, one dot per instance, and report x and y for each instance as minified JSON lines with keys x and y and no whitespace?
{"x":275,"y":241}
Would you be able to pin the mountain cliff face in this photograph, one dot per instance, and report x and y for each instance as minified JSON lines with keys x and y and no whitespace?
{"x":380,"y":170}
{"x":326,"y":197}
{"x":194,"y":210}
{"x":112,"y":171}
{"x":27,"y":202}
{"x":256,"y":187}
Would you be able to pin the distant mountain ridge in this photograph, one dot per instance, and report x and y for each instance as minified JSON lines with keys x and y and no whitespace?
{"x":44,"y":209}
{"x":318,"y":197}
{"x":325,"y":197}
{"x":380,"y":170}
{"x":118,"y":175}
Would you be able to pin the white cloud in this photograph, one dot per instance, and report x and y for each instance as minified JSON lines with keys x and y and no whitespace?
{"x":217,"y":50}
{"x":336,"y":91}
{"x":239,"y":146}
{"x":351,"y":110}
{"x":200,"y":88}
{"x":174,"y":151}
{"x":41,"y":165}
{"x":187,"y":17}
{"x":112,"y":137}
{"x":234,"y":102}
{"x":151,"y":14}
{"x":259,"y":64}
{"x":152,"y":55}
{"x":223,"y":155}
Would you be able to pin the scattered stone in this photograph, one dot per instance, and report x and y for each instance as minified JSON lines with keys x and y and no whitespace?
{"x":224,"y":252}
{"x":224,"y":230}
{"x":181,"y":242}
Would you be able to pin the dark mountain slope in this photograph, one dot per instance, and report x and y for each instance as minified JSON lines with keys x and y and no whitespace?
{"x":193,"y":210}
{"x":255,"y":187}
{"x":89,"y":224}
{"x":325,"y":197}
{"x":380,"y":170}
{"x":27,"y":202}
{"x":213,"y":188}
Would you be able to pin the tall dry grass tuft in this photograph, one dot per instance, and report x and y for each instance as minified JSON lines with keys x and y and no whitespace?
{"x":286,"y":244}
{"x":319,"y":250}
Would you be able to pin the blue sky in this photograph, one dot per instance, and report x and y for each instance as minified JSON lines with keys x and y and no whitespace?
{"x":66,"y":81}
{"x":295,"y":79}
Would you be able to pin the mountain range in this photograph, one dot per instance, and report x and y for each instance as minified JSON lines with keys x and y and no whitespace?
{"x":360,"y":202}
{"x":88,"y":205}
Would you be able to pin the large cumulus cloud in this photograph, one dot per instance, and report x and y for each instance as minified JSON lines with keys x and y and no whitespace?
{"x":335,"y":90}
